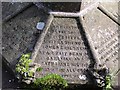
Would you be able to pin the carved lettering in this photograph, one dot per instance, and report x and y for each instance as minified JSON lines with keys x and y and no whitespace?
{"x":63,"y":51}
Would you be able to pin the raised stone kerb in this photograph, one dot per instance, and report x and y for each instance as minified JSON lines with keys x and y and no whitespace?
{"x":61,"y":48}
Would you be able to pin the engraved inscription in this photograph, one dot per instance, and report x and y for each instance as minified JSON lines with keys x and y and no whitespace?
{"x":104,"y":38}
{"x":63,"y":51}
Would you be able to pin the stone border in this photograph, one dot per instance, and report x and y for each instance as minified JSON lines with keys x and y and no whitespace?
{"x":61,"y":0}
{"x":0,"y":45}
{"x":67,"y":14}
{"x":79,"y":14}
{"x":41,"y":38}
{"x":102,"y":9}
{"x":119,"y":44}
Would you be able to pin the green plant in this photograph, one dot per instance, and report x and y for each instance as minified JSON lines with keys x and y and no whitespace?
{"x":39,"y":69}
{"x":48,"y":82}
{"x":23,"y":66}
{"x":108,"y":80}
{"x":51,"y":82}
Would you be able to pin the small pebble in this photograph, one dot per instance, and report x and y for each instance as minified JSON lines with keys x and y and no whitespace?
{"x":98,"y":81}
{"x":82,"y":77}
{"x":3,"y":48}
{"x":5,"y":71}
{"x":9,"y":80}
{"x":40,"y":25}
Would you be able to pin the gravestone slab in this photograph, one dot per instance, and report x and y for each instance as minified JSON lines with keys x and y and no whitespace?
{"x":20,"y":34}
{"x":64,"y":51}
{"x":103,"y":32}
{"x":9,"y":9}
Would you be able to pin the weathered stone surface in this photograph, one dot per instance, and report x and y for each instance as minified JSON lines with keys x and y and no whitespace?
{"x":104,"y":35}
{"x":86,"y":4}
{"x":11,"y":8}
{"x":20,"y":33}
{"x":112,"y":7}
{"x":64,"y":51}
{"x":60,"y":6}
